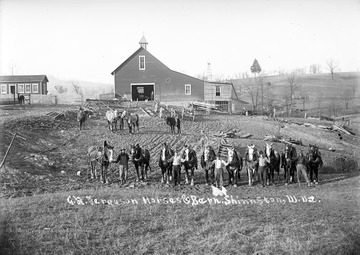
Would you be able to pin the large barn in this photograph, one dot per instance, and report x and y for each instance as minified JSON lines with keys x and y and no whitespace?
{"x":143,"y":77}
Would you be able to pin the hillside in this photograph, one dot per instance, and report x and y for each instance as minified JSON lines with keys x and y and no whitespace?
{"x":88,"y":89}
{"x":315,"y":86}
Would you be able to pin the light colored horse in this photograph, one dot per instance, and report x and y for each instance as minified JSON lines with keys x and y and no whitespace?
{"x":112,"y":117}
{"x":132,"y":121}
{"x":251,"y":163}
{"x":102,"y":156}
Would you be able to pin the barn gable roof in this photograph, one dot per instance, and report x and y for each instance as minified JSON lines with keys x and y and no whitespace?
{"x":23,"y":78}
{"x":132,"y":56}
{"x":136,"y":53}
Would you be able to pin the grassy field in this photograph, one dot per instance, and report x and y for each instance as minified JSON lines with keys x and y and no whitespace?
{"x":146,"y":220}
{"x":45,"y":211}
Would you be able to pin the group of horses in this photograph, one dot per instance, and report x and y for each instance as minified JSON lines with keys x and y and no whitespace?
{"x":103,"y":157}
{"x":113,"y":117}
{"x":235,"y":162}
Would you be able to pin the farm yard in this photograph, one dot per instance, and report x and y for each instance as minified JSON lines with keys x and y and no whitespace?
{"x":47,"y":208}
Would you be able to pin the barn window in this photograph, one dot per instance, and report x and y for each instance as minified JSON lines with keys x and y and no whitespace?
{"x":21,"y":88}
{"x":187,"y":89}
{"x":3,"y":88}
{"x":27,"y":88}
{"x":141,"y":62}
{"x":35,"y":88}
{"x":217,"y":91}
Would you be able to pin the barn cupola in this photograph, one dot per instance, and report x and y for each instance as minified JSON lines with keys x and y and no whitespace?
{"x":143,"y":43}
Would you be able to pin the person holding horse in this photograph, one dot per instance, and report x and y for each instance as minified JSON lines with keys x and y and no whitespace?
{"x":176,"y":165}
{"x":206,"y":160}
{"x":219,"y":165}
{"x":263,"y":168}
{"x":301,"y":163}
{"x":123,"y":159}
{"x":165,"y":163}
{"x":103,"y":156}
{"x":190,"y":163}
{"x":315,"y":162}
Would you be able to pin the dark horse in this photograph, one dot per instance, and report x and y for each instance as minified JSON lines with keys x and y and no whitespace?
{"x":81,"y":117}
{"x":140,"y":158}
{"x":206,"y":162}
{"x":171,"y":121}
{"x":21,"y":99}
{"x":132,"y":121}
{"x":274,"y":164}
{"x":189,"y":161}
{"x":315,"y":162}
{"x":165,"y":163}
{"x":102,"y":156}
{"x":288,"y":161}
{"x":234,"y":166}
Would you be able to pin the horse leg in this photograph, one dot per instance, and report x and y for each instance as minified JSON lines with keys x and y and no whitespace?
{"x":143,"y":176}
{"x":137,"y":171}
{"x":186,"y":176}
{"x":206,"y":176}
{"x":236,"y":172}
{"x":192,"y":176}
{"x":316,"y":175}
{"x":249,"y":170}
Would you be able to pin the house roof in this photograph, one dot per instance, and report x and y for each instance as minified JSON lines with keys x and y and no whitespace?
{"x":23,"y":78}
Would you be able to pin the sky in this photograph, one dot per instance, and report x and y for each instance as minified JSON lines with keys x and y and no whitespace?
{"x":88,"y":39}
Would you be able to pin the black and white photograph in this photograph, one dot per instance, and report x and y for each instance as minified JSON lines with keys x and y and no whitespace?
{"x":179,"y":127}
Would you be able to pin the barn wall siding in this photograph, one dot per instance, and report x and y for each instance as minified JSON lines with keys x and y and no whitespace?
{"x":169,"y":85}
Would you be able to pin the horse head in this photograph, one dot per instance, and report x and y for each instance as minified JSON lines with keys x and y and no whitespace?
{"x":268,"y":149}
{"x":251,"y":152}
{"x":108,"y":152}
{"x":231,"y":153}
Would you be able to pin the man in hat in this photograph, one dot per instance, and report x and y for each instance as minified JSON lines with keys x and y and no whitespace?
{"x":176,"y":165}
{"x":123,"y":159}
{"x":219,"y":170}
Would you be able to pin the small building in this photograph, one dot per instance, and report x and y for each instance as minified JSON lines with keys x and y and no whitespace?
{"x":142,"y":77}
{"x":22,"y":84}
{"x":223,"y":95}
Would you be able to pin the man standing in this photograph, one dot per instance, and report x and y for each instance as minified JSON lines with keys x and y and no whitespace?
{"x":301,"y":163}
{"x":219,"y":171}
{"x":123,"y":158}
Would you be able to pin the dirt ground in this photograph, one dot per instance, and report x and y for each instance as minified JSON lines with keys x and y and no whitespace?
{"x":48,"y":152}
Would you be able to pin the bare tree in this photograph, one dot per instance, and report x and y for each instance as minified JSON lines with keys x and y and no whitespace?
{"x":293,"y":86}
{"x":315,"y":68}
{"x":331,"y":66}
{"x":252,"y":90}
{"x":77,"y":88}
{"x":60,"y":89}
{"x":347,"y":97}
{"x":354,"y":88}
{"x":304,"y":98}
